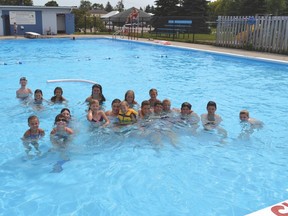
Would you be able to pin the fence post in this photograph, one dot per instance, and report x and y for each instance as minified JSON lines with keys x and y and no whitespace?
{"x":85,"y":24}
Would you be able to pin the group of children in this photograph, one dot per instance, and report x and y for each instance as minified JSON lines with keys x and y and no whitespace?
{"x":124,"y":112}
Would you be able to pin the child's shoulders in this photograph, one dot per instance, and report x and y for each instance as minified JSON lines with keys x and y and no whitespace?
{"x":69,"y":130}
{"x":53,"y":131}
{"x":204,"y":115}
{"x":41,"y":131}
{"x":88,"y":99}
{"x":27,"y":133}
{"x":218,"y":117}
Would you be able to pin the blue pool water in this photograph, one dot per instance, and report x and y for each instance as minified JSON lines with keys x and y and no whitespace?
{"x":124,"y":174}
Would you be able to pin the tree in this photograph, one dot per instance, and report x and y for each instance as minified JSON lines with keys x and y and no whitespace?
{"x":276,"y":7}
{"x":120,"y":6}
{"x":194,"y":6}
{"x":166,"y":7}
{"x":251,"y":8}
{"x":98,"y":6}
{"x":147,"y":9}
{"x":52,"y":4}
{"x":85,"y":5}
{"x":17,"y":2}
{"x":108,"y":7}
{"x":197,"y":10}
{"x":152,"y":10}
{"x":248,"y":7}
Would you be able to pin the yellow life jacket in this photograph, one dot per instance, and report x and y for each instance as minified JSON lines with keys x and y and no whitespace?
{"x":126,"y":118}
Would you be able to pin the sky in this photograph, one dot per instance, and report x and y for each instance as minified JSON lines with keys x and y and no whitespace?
{"x":127,"y":3}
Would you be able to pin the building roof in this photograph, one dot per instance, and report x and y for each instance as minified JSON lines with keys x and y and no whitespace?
{"x":97,"y":11}
{"x":110,"y":14}
{"x":122,"y":17}
{"x":14,"y":7}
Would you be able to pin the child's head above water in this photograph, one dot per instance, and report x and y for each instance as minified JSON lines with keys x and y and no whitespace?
{"x":60,"y":118}
{"x":38,"y":94}
{"x":124,"y":106}
{"x":153,"y":93}
{"x":244,"y":115}
{"x":211,"y":107}
{"x":94,"y":104}
{"x":58,"y":91}
{"x":186,"y":108}
{"x":32,"y":119}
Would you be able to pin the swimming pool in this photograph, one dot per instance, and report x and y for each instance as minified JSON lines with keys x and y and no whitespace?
{"x":130,"y":175}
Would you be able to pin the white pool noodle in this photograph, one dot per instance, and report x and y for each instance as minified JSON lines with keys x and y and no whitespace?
{"x":71,"y":80}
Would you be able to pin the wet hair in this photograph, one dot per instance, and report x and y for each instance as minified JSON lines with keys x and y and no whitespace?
{"x":158,"y":103}
{"x":59,"y":116}
{"x":186,"y":104}
{"x":23,"y":78}
{"x":144,"y":103}
{"x":153,"y":89}
{"x":93,"y":101}
{"x":245,"y":112}
{"x":102,"y":96}
{"x":58,"y":88}
{"x":65,"y":109}
{"x":38,"y":91}
{"x":130,"y":91}
{"x":32,"y":117}
{"x":166,"y":100}
{"x":115,"y":101}
{"x":124,"y":102}
{"x":211,"y":103}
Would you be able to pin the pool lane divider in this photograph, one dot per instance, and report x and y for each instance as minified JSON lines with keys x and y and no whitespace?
{"x":279,"y":209}
{"x":71,"y":80}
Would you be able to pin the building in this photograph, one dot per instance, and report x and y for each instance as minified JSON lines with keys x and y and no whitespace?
{"x":39,"y":19}
{"x":97,"y":12}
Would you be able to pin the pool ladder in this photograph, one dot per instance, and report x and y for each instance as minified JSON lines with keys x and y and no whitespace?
{"x":130,"y":32}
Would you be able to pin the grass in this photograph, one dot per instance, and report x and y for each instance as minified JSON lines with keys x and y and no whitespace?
{"x":198,"y":38}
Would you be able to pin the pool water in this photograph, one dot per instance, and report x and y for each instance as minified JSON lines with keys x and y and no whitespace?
{"x":123,"y":173}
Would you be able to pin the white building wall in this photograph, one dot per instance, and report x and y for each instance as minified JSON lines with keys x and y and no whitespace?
{"x":1,"y":24}
{"x":49,"y":21}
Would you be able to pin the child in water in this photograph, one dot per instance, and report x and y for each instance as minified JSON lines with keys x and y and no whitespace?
{"x":96,"y":94}
{"x":96,"y":115}
{"x":211,"y":120}
{"x":126,"y":115}
{"x":153,"y":97}
{"x":38,"y":97}
{"x":145,"y":110}
{"x":32,"y":135}
{"x":130,"y":98}
{"x":245,"y":118}
{"x":67,"y":114}
{"x":248,"y":124}
{"x":188,"y":114}
{"x":23,"y":92}
{"x":115,"y":105}
{"x":58,"y":98}
{"x":61,"y":134}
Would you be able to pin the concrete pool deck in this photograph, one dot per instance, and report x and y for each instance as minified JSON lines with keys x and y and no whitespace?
{"x":211,"y":48}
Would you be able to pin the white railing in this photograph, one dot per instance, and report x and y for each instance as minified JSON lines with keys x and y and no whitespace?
{"x":263,"y":33}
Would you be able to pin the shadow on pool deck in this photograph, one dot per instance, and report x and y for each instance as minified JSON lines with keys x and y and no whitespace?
{"x":245,"y":53}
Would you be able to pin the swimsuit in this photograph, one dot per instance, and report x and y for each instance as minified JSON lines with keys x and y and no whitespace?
{"x":96,"y":120}
{"x":34,"y":136}
{"x":37,"y":102}
{"x":23,"y":95}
